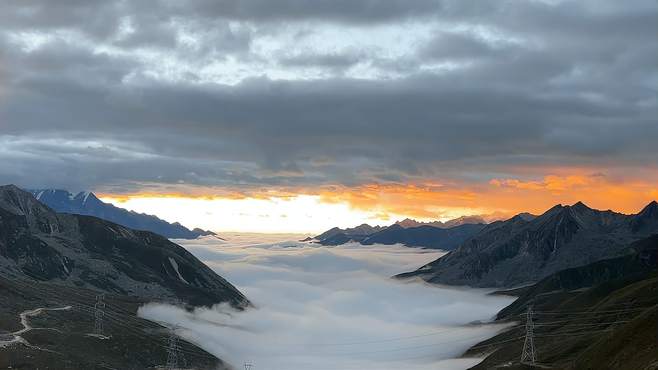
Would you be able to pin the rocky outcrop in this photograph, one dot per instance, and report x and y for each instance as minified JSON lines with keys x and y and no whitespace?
{"x":523,"y":250}
{"x":39,"y":244}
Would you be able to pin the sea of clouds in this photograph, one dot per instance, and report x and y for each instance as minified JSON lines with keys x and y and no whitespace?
{"x":332,"y":308}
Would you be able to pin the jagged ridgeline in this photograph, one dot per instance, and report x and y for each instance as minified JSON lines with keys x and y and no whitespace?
{"x":86,"y":203}
{"x":411,"y":233}
{"x":524,"y":249}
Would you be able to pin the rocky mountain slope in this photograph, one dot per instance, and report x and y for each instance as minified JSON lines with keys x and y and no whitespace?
{"x":523,"y":250}
{"x":86,"y":203}
{"x":83,"y":251}
{"x":53,"y":266}
{"x":602,"y":315}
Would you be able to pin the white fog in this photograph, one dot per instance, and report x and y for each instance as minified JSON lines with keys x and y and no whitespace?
{"x":332,"y":308}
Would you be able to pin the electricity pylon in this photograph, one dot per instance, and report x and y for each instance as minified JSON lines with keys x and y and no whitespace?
{"x":172,"y":350}
{"x":99,"y":306}
{"x":529,"y":354}
{"x":248,"y":366}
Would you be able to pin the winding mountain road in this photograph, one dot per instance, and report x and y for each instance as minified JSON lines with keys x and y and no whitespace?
{"x":16,"y":337}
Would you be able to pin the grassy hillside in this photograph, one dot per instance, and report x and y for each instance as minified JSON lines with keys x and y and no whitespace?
{"x":62,"y":340}
{"x":599,"y":316}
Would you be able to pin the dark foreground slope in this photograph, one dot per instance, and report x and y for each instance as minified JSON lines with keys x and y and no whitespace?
{"x":53,"y":265}
{"x":600,"y":316}
{"x":524,"y":250}
{"x":62,"y":337}
{"x":86,"y":203}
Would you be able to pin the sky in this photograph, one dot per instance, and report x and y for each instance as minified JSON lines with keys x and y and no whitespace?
{"x":332,"y":308}
{"x":362,"y":110}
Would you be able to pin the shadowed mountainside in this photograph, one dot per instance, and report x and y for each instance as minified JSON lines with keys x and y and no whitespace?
{"x":63,"y":338}
{"x":523,"y":250}
{"x":52,"y":267}
{"x":85,"y":251}
{"x":600,"y":316}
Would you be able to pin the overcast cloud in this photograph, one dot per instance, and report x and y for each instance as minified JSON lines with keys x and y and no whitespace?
{"x":116,"y":94}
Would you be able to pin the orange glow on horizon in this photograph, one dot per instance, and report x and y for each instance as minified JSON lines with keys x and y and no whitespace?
{"x":385,"y":203}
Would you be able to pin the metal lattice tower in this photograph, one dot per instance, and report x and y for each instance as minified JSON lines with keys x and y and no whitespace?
{"x":172,"y":350}
{"x":529,"y":354}
{"x":248,"y":366}
{"x":99,"y":313}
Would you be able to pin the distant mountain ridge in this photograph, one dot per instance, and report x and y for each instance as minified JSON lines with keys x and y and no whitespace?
{"x":424,"y":236}
{"x":86,"y":203}
{"x":338,"y":236}
{"x":463,"y":220}
{"x":435,"y":235}
{"x":525,"y":249}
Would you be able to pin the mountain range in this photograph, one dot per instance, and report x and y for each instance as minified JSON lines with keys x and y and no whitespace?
{"x":434,"y":235}
{"x":86,"y":203}
{"x":524,"y":249}
{"x":591,"y":276}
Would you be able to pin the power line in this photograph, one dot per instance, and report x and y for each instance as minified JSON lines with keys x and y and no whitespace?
{"x":119,"y":321}
{"x":530,"y":325}
{"x":602,"y":312}
{"x":393,"y":339}
{"x":572,"y":326}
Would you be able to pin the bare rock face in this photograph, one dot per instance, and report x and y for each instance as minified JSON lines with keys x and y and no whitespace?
{"x":647,"y":219}
{"x":83,"y":251}
{"x":522,"y":250}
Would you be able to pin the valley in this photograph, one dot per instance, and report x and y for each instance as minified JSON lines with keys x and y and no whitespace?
{"x":74,"y":281}
{"x":328,"y":185}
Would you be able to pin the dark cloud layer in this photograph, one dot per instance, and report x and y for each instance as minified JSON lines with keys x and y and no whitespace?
{"x":246,"y":93}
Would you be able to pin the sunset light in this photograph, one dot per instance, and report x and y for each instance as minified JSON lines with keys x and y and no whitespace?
{"x":298,"y":214}
{"x":328,"y":184}
{"x":306,"y":211}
